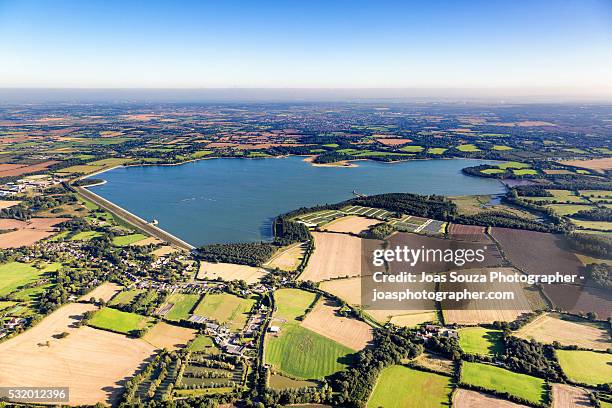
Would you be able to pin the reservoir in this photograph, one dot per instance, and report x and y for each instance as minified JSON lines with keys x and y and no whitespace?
{"x":235,"y":200}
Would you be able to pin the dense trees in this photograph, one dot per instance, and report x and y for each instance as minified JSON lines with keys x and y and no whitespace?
{"x":19,"y":212}
{"x":378,"y":231}
{"x":429,"y":206}
{"x":600,"y":274}
{"x":533,"y":191}
{"x":599,"y":246}
{"x":531,"y":357}
{"x":287,"y":232}
{"x":596,"y":214}
{"x":251,"y":253}
{"x":503,"y":219}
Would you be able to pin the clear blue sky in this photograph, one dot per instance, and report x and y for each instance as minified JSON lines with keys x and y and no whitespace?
{"x":329,"y":43}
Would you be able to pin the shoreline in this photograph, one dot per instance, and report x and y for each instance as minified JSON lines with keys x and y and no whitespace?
{"x":165,"y":236}
{"x":308,"y":158}
{"x":134,"y":220}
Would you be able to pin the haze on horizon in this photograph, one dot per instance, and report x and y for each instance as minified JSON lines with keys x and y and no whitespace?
{"x":535,"y":50}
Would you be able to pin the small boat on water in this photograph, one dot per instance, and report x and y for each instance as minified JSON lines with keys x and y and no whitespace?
{"x":154,"y":222}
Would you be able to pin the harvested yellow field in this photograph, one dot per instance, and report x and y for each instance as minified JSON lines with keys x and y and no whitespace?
{"x":413,"y":320}
{"x":147,"y":241}
{"x":335,"y":256}
{"x":402,"y":317}
{"x":351,"y":333}
{"x":352,"y":224}
{"x":105,"y":292}
{"x":287,"y":259}
{"x":598,"y":165}
{"x":567,"y":330}
{"x":90,"y":362}
{"x":349,"y":290}
{"x":229,"y":272}
{"x":474,"y":399}
{"x":164,"y":250}
{"x":7,"y":204}
{"x":168,"y":336}
{"x":486,"y":311}
{"x":566,"y":396}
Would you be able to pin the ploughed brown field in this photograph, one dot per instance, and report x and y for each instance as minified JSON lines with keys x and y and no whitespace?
{"x":92,"y":363}
{"x":323,"y":319}
{"x":24,"y":168}
{"x":352,"y":224}
{"x":538,"y":253}
{"x":474,"y":399}
{"x":473,"y":233}
{"x":566,"y":396}
{"x":27,"y":233}
{"x":492,"y":257}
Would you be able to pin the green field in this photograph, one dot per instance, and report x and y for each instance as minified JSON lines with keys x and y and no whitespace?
{"x":524,"y":172}
{"x":568,"y":209}
{"x":501,"y":147}
{"x":586,"y":367}
{"x":120,"y":322}
{"x":126,"y":240}
{"x":400,"y":386}
{"x":203,"y":344}
{"x":16,"y":274}
{"x":291,"y":303}
{"x":492,"y":171}
{"x":498,"y":379}
{"x":201,"y":153}
{"x":467,"y":148}
{"x":280,"y":382}
{"x":299,"y":352}
{"x":225,"y":308}
{"x":603,"y":194}
{"x":566,"y":195}
{"x":481,"y":341}
{"x":594,"y":225}
{"x":183,"y":305}
{"x":436,"y":150}
{"x":513,"y":165}
{"x":412,"y":149}
{"x":304,"y":354}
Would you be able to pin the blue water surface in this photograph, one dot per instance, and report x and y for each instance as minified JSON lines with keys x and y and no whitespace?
{"x":235,"y":200}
